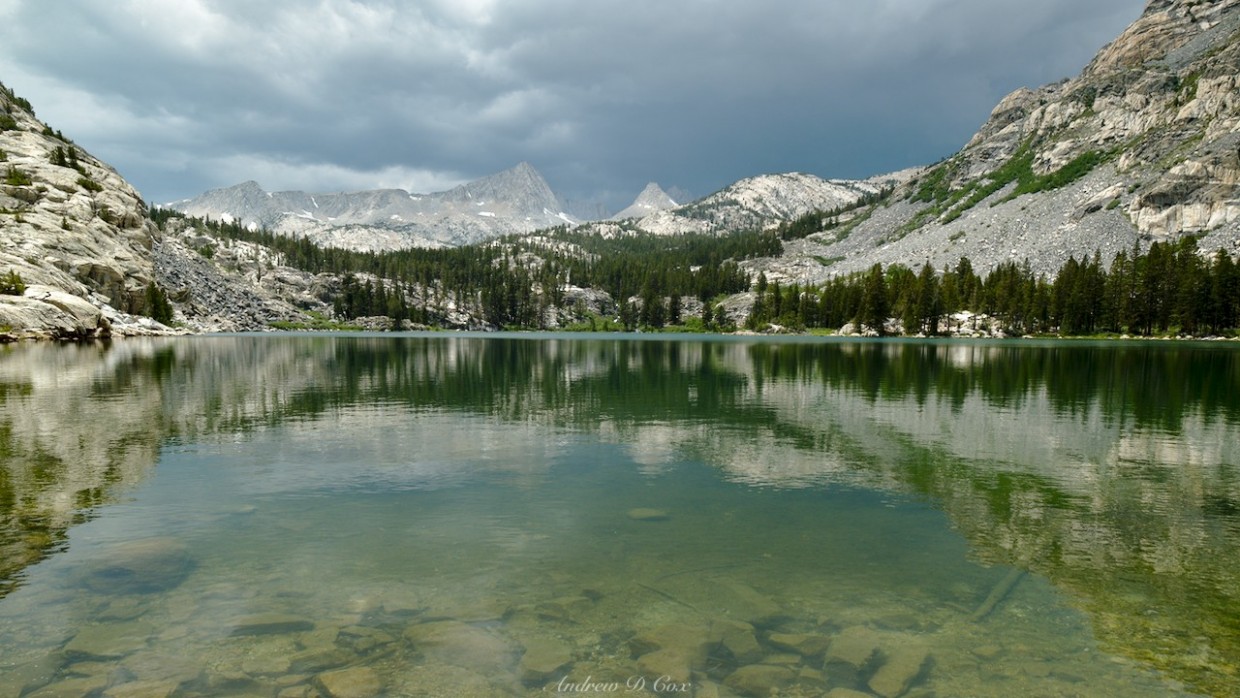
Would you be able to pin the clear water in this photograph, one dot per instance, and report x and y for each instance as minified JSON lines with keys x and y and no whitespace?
{"x":455,"y":516}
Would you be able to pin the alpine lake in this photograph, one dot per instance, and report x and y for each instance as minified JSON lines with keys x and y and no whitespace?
{"x":337,"y":515}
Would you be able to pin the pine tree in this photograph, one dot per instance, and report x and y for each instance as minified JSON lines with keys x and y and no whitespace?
{"x":874,"y":302}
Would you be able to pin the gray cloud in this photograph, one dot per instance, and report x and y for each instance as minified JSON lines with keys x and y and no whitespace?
{"x":185,"y":95}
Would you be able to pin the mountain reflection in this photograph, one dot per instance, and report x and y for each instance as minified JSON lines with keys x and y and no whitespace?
{"x":1112,"y":469}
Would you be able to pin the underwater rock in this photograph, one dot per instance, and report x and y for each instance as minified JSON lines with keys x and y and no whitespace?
{"x":459,"y":644}
{"x":107,"y":642}
{"x":142,"y":689}
{"x":71,"y":688}
{"x":803,"y":644}
{"x":760,"y":679}
{"x":808,"y":676}
{"x":737,"y":637}
{"x":692,"y":641}
{"x":647,"y":514}
{"x":271,"y":624}
{"x":362,"y":639}
{"x":854,"y":647}
{"x":562,"y":608}
{"x":739,"y":601}
{"x":443,"y":680}
{"x":316,"y":659}
{"x":139,"y":567}
{"x":674,"y":664}
{"x":543,"y":658}
{"x":842,"y":692}
{"x":897,"y":674}
{"x":354,"y":682}
{"x":672,"y":651}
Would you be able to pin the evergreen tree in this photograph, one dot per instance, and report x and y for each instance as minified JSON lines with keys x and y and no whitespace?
{"x":874,"y":308}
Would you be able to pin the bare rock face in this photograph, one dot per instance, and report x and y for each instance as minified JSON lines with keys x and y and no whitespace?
{"x":1161,"y":99}
{"x":1143,"y":145}
{"x":45,"y":312}
{"x":70,"y":224}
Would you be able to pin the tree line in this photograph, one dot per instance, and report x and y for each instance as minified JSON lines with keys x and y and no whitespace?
{"x":1168,"y":288}
{"x":513,"y":281}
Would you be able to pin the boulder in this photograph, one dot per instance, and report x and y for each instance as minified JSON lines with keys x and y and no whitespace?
{"x":806,"y":645}
{"x":689,"y":641}
{"x":459,"y":644}
{"x":107,"y":642}
{"x":760,"y":679}
{"x":142,"y":566}
{"x":739,"y":640}
{"x":898,"y":673}
{"x":354,"y":682}
{"x":855,"y":647}
{"x":543,"y":658}
{"x":48,"y":313}
{"x":271,"y":624}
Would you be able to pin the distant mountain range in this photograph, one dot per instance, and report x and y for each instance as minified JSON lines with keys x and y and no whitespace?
{"x":517,"y":200}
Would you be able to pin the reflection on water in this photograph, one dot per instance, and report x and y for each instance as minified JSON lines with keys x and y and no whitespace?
{"x":445,"y":515}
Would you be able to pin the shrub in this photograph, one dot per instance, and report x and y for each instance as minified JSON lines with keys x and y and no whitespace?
{"x":11,"y":284}
{"x":17,"y":178}
{"x":89,"y":184}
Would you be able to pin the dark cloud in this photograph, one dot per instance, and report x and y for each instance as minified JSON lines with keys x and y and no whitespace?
{"x":185,"y":95}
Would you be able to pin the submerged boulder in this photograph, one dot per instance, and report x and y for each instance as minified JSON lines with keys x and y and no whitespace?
{"x":138,"y":567}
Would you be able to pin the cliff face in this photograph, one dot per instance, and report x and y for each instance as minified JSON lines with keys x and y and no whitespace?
{"x":1160,"y":102}
{"x":1143,"y":145}
{"x":73,"y":230}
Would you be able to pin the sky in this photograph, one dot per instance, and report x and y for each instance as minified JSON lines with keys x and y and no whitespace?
{"x":601,"y":96}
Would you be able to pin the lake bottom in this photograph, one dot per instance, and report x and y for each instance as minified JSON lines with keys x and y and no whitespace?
{"x":258,"y":569}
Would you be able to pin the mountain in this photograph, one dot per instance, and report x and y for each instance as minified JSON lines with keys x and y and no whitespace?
{"x":754,"y":203}
{"x":517,"y":200}
{"x":75,"y":240}
{"x":81,"y":257}
{"x":650,"y":200}
{"x":1143,"y":145}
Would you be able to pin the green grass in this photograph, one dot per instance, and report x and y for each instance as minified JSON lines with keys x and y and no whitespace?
{"x":595,"y":323}
{"x":947,"y":205}
{"x":318,"y":321}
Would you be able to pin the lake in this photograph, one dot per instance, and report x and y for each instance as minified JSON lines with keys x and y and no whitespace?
{"x":520,"y":515}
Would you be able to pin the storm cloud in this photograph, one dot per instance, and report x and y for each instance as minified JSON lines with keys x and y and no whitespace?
{"x":602,"y":96}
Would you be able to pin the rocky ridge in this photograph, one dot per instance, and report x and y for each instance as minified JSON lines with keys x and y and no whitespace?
{"x":759,"y":202}
{"x":650,"y":200}
{"x":517,"y":200}
{"x":74,"y":233}
{"x":1143,"y":145}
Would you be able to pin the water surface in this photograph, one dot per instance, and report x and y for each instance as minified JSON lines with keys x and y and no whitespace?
{"x":456,"y":515}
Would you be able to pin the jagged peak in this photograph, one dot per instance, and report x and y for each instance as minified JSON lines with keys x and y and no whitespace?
{"x":1165,"y":27}
{"x":654,"y":192}
{"x":651,"y":200}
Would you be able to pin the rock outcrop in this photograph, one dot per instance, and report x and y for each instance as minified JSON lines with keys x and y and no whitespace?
{"x":72,"y":231}
{"x":1143,"y":145}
